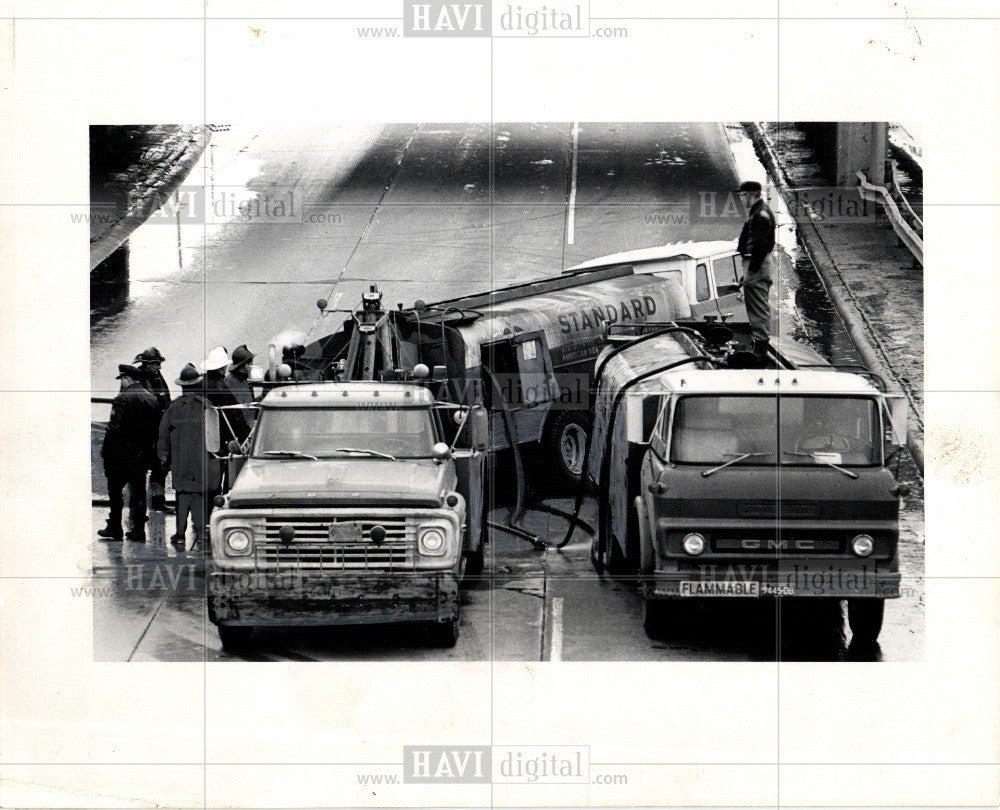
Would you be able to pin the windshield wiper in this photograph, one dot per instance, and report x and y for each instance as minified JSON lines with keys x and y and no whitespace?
{"x":736,"y":460}
{"x":365,"y":451}
{"x":818,"y":457}
{"x":289,"y":454}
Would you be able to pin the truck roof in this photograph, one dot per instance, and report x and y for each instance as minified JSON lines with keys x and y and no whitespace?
{"x":349,"y":395}
{"x":788,"y":382}
{"x":673,"y":250}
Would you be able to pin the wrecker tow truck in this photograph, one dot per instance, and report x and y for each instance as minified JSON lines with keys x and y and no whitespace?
{"x":354,"y":502}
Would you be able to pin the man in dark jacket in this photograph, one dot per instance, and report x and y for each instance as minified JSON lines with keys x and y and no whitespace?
{"x":196,"y":473}
{"x":755,"y":246}
{"x":237,"y":381}
{"x":149,"y":362}
{"x":127,"y":454}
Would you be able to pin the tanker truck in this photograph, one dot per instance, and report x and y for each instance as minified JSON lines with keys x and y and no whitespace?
{"x":527,"y":349}
{"x":719,"y":478}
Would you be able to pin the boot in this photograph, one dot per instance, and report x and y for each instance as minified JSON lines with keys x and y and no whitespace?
{"x":110,"y":534}
{"x":761,"y":348}
{"x":136,"y":536}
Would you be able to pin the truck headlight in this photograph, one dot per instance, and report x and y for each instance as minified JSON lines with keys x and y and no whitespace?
{"x":238,"y":541}
{"x":432,"y":542}
{"x":694,"y":544}
{"x":863,"y":545}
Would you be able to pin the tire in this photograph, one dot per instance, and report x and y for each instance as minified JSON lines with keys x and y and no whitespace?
{"x":647,"y":554}
{"x":865,"y":618}
{"x":614,"y":561}
{"x":655,"y":617}
{"x":234,"y":639}
{"x":595,"y":557}
{"x":565,"y":443}
{"x":475,"y":560}
{"x":443,"y":634}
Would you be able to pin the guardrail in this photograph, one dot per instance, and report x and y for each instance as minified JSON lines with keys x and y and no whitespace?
{"x":906,"y":234}
{"x":916,"y":222}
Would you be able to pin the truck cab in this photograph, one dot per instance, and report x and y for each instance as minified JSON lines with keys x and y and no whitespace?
{"x":708,"y":272}
{"x":348,"y":508}
{"x":719,"y":480}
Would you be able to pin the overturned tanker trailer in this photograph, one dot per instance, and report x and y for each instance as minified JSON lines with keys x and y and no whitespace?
{"x":525,"y":351}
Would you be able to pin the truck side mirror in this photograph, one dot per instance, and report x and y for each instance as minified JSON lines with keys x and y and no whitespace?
{"x":441,"y":451}
{"x":213,"y":439}
{"x":479,"y":428}
{"x":898,"y":414}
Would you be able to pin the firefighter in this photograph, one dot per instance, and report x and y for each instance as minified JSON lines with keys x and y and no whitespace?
{"x":755,"y":246}
{"x":149,"y":361}
{"x":196,"y":473}
{"x":237,"y":381}
{"x":217,"y":392}
{"x":126,"y":454}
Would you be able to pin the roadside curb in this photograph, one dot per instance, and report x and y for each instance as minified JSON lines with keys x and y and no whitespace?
{"x":857,"y":327}
{"x":159,"y":188}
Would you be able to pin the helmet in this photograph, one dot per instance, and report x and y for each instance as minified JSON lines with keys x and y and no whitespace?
{"x":217,"y":359}
{"x":241,"y":356}
{"x":125,"y":370}
{"x":189,"y":376}
{"x":150,"y":355}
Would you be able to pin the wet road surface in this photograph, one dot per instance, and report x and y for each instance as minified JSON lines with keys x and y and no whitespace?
{"x":412,"y":208}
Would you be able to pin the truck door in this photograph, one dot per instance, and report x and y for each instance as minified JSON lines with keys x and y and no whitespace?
{"x":703,"y":303}
{"x":726,"y":272}
{"x":522,"y":368}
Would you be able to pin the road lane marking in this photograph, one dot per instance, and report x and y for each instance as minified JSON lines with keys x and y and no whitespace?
{"x":556,"y":632}
{"x":571,"y":202}
{"x":385,"y":192}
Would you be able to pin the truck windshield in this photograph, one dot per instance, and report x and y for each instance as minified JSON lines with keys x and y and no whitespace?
{"x":768,"y":430}
{"x":344,"y":432}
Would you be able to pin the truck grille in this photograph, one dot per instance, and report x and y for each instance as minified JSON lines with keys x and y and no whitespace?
{"x":312,"y":547}
{"x":773,"y":510}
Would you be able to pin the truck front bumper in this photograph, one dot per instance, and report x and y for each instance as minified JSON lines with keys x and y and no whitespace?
{"x":284,"y":599}
{"x":828,"y":578}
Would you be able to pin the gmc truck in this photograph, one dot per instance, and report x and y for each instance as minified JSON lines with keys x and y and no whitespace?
{"x":719,"y":478}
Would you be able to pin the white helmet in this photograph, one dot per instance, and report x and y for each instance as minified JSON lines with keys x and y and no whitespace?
{"x":217,"y":359}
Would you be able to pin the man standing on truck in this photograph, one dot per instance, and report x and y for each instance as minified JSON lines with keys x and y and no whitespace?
{"x":755,"y":246}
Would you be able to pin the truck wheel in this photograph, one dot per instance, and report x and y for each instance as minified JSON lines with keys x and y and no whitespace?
{"x":655,"y":613}
{"x":647,"y":555}
{"x":443,"y":634}
{"x":595,"y":556}
{"x":566,"y":444}
{"x":865,"y":617}
{"x":613,"y":561}
{"x":474,"y":560}
{"x":234,"y":639}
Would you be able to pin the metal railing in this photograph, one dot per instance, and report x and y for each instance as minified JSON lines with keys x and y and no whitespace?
{"x":906,"y":234}
{"x":915,"y":221}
